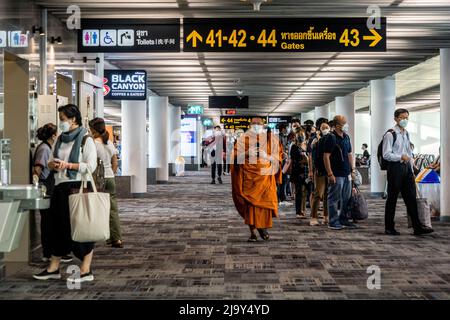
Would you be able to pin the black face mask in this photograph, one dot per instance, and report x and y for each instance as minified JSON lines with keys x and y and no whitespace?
{"x":300,"y":139}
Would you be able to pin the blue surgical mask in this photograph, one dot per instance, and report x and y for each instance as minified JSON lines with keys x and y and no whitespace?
{"x":64,"y":126}
{"x":403,"y":123}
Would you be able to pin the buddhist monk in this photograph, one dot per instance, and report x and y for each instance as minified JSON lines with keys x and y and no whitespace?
{"x":254,"y":177}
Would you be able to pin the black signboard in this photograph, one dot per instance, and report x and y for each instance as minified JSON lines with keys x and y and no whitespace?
{"x":282,"y":35}
{"x":125,"y":85}
{"x":279,"y":119}
{"x":120,"y":35}
{"x":228,"y":102}
{"x":238,"y":122}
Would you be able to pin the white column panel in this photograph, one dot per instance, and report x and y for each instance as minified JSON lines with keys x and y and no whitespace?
{"x":158,"y":136}
{"x":445,"y":134}
{"x":382,"y":107}
{"x":133,"y":144}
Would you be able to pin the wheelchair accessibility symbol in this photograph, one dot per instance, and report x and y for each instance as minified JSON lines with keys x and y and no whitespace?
{"x":108,"y":38}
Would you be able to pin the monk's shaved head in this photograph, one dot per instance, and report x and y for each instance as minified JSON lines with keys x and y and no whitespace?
{"x":257,"y":120}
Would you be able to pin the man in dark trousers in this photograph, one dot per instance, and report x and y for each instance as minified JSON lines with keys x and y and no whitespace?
{"x":400,"y":176}
{"x":217,"y":153}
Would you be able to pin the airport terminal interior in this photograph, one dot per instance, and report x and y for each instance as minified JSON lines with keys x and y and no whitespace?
{"x":159,"y":83}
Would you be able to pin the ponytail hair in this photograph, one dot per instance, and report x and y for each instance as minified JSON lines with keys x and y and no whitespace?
{"x":98,"y":124}
{"x":46,"y":132}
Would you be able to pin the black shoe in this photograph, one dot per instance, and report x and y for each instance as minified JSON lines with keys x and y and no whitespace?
{"x":45,"y":275}
{"x":220,"y":180}
{"x":252,"y":238}
{"x":423,"y":230}
{"x":392,"y":232}
{"x":213,"y":182}
{"x":349,"y":225}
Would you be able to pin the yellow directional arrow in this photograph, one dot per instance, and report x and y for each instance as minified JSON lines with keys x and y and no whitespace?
{"x":375,"y":38}
{"x":194,"y":36}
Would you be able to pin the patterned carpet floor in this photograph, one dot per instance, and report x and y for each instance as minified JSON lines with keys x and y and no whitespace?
{"x":186,"y":241}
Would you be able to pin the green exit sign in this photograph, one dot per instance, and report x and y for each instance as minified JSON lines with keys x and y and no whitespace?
{"x":195,"y":110}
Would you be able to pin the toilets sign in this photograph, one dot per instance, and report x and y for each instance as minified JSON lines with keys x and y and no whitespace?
{"x":125,"y":85}
{"x":149,"y":35}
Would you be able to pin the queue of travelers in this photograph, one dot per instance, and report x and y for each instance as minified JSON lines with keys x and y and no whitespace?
{"x":61,"y":163}
{"x":315,"y":164}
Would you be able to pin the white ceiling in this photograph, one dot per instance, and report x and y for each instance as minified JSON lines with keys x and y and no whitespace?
{"x":283,"y":83}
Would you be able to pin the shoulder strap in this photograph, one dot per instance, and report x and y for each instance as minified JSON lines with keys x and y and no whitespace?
{"x":394,"y":134}
{"x":83,"y":142}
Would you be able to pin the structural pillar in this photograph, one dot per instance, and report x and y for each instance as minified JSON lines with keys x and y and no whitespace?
{"x":322,"y":112}
{"x":99,"y":98}
{"x":158,"y":138}
{"x":382,"y":107}
{"x":174,"y":135}
{"x":43,"y":81}
{"x":133,"y":145}
{"x":445,"y":134}
{"x":307,"y":116}
{"x":345,"y":106}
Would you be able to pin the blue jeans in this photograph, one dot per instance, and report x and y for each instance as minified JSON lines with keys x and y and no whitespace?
{"x":340,"y":192}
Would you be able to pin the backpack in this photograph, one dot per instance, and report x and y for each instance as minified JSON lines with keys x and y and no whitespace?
{"x":317,"y":156}
{"x":99,"y":174}
{"x":383,"y":162}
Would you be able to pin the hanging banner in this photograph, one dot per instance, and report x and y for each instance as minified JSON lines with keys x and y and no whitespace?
{"x":282,"y":35}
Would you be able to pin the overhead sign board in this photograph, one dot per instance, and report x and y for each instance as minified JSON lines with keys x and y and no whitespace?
{"x":279,"y":119}
{"x":282,"y":35}
{"x":195,"y":109}
{"x":238,"y":122}
{"x":119,"y":35}
{"x":125,"y":85}
{"x":228,"y":102}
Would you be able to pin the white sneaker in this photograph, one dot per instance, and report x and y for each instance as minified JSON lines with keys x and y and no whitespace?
{"x":288,"y":203}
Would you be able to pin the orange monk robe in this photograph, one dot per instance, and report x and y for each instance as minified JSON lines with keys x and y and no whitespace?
{"x":254,"y":186}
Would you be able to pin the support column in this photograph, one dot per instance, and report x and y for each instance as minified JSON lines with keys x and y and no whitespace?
{"x":99,"y":98}
{"x":158,"y":138}
{"x":133,"y":145}
{"x":43,"y":81}
{"x":307,"y":116}
{"x":382,"y":107}
{"x":345,"y":106}
{"x":174,"y":135}
{"x":322,"y":112}
{"x":445,"y":134}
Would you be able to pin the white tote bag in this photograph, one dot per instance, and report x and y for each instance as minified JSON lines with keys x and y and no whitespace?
{"x":89,"y":214}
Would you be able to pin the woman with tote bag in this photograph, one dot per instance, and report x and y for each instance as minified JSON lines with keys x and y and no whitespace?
{"x":108,"y":154}
{"x":71,"y":161}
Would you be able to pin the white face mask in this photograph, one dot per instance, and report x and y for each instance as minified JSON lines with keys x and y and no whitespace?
{"x":217,"y":133}
{"x":64,"y":126}
{"x":325,"y":132}
{"x":345,"y":128}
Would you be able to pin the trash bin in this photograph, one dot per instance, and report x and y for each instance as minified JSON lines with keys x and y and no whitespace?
{"x":429,"y":185}
{"x":179,"y":166}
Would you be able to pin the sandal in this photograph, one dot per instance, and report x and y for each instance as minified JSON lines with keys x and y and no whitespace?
{"x":252,"y":238}
{"x":264,"y":234}
{"x":117,"y":244}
